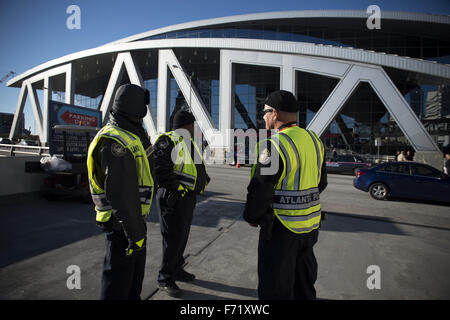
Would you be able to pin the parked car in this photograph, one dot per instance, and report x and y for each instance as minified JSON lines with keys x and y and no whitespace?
{"x":28,"y":142}
{"x":347,"y":164}
{"x":404,"y":180}
{"x":5,"y":141}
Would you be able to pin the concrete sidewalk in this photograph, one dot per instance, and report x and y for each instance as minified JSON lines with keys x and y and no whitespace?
{"x":40,"y":269}
{"x":39,"y":240}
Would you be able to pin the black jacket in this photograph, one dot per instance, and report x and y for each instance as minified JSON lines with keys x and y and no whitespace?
{"x":163,"y":165}
{"x":119,"y":179}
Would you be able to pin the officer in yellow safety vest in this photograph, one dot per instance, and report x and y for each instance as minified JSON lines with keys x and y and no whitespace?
{"x":121,"y":186}
{"x":180,"y":174}
{"x":283,"y":198}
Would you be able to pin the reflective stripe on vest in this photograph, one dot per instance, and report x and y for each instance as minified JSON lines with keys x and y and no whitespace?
{"x":184,"y":166}
{"x":133,"y":144}
{"x":296,"y":200}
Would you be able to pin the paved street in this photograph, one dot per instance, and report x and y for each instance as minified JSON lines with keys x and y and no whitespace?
{"x":408,"y":241}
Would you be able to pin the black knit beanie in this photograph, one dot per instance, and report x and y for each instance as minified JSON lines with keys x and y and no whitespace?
{"x":283,"y":100}
{"x":182,"y":118}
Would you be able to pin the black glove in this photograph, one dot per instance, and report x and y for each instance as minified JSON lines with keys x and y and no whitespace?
{"x":136,"y":235}
{"x":136,"y":246}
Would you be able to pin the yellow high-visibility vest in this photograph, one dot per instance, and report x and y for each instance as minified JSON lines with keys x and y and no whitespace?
{"x":131,"y":142}
{"x":296,"y":201}
{"x":184,"y":166}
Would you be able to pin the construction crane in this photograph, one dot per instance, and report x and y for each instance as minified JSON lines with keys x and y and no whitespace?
{"x":9,"y":74}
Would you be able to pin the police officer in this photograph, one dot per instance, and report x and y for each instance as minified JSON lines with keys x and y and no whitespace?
{"x":283,"y":199}
{"x":121,"y":186}
{"x":180,"y":174}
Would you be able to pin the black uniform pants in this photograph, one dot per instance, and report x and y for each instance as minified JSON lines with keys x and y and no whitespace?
{"x":175,"y":224}
{"x":122,"y":275}
{"x":287,"y":267}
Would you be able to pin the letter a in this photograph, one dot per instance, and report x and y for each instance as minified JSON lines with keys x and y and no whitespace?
{"x":374,"y":20}
{"x":374,"y":281}
{"x":74,"y":281}
{"x":73,"y":21}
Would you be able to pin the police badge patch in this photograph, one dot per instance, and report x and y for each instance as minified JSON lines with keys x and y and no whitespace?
{"x":264,"y":157}
{"x":117,"y":149}
{"x":163,"y":144}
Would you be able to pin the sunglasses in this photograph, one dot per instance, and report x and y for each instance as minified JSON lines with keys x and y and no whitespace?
{"x":267,"y":111}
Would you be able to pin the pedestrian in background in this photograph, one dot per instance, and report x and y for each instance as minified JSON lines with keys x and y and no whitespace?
{"x":121,"y":186}
{"x":401,"y":156}
{"x":409,"y":156}
{"x":334,"y":153}
{"x":447,"y":163}
{"x":285,"y":202}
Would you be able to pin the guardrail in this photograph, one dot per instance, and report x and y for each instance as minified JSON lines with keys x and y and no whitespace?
{"x":372,"y":158}
{"x":12,"y":150}
{"x":380,"y":158}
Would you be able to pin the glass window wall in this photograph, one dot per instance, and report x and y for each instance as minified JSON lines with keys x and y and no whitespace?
{"x":436,"y":48}
{"x":429,"y":98}
{"x":363,"y":119}
{"x":252,"y":85}
{"x":431,"y":103}
{"x":202,"y":67}
{"x":312,"y":91}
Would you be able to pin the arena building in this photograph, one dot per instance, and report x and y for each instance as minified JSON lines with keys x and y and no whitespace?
{"x":355,"y":85}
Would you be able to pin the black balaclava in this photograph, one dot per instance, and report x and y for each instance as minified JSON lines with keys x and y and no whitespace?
{"x":129,"y":108}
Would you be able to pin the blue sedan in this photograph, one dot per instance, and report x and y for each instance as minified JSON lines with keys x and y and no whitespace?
{"x":404,"y":180}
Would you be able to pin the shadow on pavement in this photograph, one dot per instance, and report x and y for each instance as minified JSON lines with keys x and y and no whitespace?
{"x":30,"y":228}
{"x":211,"y":208}
{"x":33,"y":227}
{"x":225,"y":288}
{"x":346,"y":222}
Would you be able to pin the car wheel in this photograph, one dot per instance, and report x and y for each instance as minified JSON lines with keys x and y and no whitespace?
{"x":378,"y":191}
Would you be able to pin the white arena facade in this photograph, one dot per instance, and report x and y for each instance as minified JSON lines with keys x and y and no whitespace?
{"x":354,"y":85}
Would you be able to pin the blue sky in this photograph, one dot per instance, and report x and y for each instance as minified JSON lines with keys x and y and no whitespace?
{"x":33,"y":32}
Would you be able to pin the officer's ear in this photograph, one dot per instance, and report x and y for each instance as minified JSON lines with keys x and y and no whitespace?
{"x":276,"y":115}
